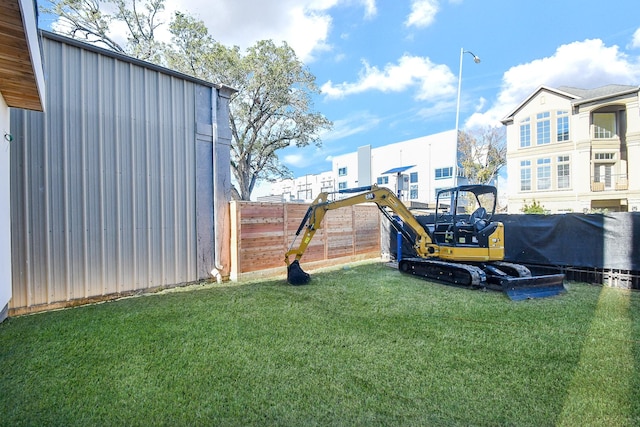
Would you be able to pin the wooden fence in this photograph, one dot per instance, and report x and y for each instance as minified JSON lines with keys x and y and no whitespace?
{"x":263,"y":232}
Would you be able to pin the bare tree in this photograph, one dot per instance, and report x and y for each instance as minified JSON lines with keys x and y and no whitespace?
{"x":483,"y":152}
{"x":273,"y":107}
{"x":93,"y":21}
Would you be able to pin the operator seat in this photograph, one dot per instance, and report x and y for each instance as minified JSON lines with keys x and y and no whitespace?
{"x":478,"y":219}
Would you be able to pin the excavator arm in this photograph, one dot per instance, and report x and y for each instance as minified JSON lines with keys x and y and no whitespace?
{"x":384,"y":198}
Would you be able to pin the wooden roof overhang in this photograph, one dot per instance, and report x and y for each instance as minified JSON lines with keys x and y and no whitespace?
{"x":21,"y":76}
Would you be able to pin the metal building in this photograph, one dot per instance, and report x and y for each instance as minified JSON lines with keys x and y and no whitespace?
{"x":122,"y":184}
{"x":21,"y":86}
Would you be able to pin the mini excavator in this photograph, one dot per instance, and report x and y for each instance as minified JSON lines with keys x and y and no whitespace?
{"x":463,"y":247}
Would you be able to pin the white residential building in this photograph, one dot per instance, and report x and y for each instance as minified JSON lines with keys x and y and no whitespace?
{"x":415,"y":168}
{"x":301,"y":189}
{"x":573,"y":150}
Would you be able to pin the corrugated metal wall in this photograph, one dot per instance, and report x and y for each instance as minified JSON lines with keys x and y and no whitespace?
{"x":104,"y":183}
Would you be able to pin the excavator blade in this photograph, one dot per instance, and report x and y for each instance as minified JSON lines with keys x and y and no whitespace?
{"x":519,"y":288}
{"x":296,"y":275}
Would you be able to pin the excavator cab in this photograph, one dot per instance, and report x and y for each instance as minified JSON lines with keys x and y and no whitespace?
{"x":463,"y":216}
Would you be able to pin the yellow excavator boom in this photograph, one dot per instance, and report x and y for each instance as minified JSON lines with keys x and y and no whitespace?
{"x":381,"y":196}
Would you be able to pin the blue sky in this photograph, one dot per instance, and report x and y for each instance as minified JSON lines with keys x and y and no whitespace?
{"x":389,"y":69}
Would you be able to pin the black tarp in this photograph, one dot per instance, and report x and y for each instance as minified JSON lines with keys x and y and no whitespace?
{"x":607,"y":241}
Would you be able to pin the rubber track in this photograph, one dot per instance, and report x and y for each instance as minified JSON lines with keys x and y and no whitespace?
{"x":520,"y":270}
{"x":442,"y":271}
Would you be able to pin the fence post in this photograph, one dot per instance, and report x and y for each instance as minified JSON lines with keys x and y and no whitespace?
{"x":234,"y":213}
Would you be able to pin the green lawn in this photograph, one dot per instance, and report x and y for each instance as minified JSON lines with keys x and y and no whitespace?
{"x":358,"y":346}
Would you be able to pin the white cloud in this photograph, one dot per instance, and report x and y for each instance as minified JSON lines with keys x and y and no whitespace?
{"x":431,"y":80}
{"x":423,"y":13}
{"x":635,"y":41}
{"x":438,"y":112}
{"x":305,"y":157}
{"x":481,"y":103}
{"x":339,"y":57}
{"x":351,"y":125}
{"x":585,"y":64}
{"x":370,"y":8}
{"x":303,"y":24}
{"x":297,"y":160}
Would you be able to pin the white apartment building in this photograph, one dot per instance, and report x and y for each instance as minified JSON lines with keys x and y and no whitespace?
{"x":302,"y":189}
{"x":415,"y":169}
{"x":573,"y":150}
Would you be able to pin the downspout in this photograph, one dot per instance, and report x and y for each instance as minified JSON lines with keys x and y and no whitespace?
{"x":220,"y":96}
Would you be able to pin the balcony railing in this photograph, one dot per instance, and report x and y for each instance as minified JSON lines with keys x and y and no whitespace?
{"x":622,"y":184}
{"x":616,"y":182}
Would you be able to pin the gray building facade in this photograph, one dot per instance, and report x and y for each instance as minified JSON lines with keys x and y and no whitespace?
{"x":122,"y":184}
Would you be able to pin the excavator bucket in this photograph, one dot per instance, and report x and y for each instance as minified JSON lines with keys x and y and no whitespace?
{"x":519,"y":288}
{"x":296,"y":275}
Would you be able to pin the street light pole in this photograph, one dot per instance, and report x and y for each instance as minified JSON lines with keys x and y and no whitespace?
{"x":476,"y":59}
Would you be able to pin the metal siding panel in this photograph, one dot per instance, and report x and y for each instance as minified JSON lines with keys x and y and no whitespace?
{"x":55,"y":142}
{"x":126,"y":231}
{"x":169,"y":179}
{"x":109,"y":167}
{"x":188,"y":144}
{"x":154,"y":181}
{"x":184,"y":178}
{"x":92,"y":188}
{"x":36,"y":216}
{"x":166,"y":250}
{"x":139,"y":164}
{"x":204,"y":183}
{"x":105,"y":181}
{"x":19,"y":272}
{"x":74,"y":178}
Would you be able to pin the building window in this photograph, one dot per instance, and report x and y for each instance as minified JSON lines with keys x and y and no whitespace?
{"x":604,"y":156}
{"x":413,"y":191}
{"x":564,"y":177}
{"x":544,"y":174}
{"x":543,"y":128}
{"x":604,"y":125}
{"x":602,"y":173}
{"x":342,"y":185}
{"x":382,"y":180}
{"x":525,"y":175}
{"x":563,"y":126}
{"x":305,"y":194}
{"x":525,"y":133}
{"x":603,"y":168}
{"x":413,"y":177}
{"x":443,"y":173}
{"x":342,"y":171}
{"x":327,"y":186}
